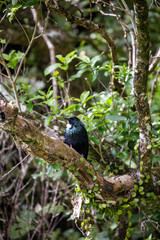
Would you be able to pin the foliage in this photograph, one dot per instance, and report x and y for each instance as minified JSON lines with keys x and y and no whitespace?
{"x":41,"y":199}
{"x":108,"y":118}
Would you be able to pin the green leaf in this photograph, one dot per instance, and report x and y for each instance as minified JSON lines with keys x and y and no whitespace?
{"x":125,"y":199}
{"x":95,"y":139}
{"x":134,"y":194}
{"x":72,"y":168}
{"x":48,"y":120}
{"x":56,"y":166}
{"x":13,"y":57}
{"x":95,"y":189}
{"x":114,"y":118}
{"x":140,"y":182}
{"x":121,"y":167}
{"x":6,"y":56}
{"x":78,"y":74}
{"x":11,"y":13}
{"x":84,"y":58}
{"x":84,"y":96}
{"x":29,"y":106}
{"x":14,"y":233}
{"x":37,"y":97}
{"x":135,"y":188}
{"x":70,"y":56}
{"x":71,"y":108}
{"x":56,"y":175}
{"x":51,"y":68}
{"x":42,"y":93}
{"x":76,"y":173}
{"x":119,"y":212}
{"x":94,"y":178}
{"x":141,"y":189}
{"x":93,"y":76}
{"x":49,"y":94}
{"x":128,"y":234}
{"x":49,"y":170}
{"x":2,"y":41}
{"x":35,"y":176}
{"x":156,"y":159}
{"x":88,"y":99}
{"x":90,"y":172}
{"x":60,"y":82}
{"x":50,"y":102}
{"x":95,"y":59}
{"x":27,"y":215}
{"x":60,"y":58}
{"x":65,"y":67}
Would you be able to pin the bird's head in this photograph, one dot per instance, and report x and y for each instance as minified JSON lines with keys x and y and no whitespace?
{"x":73,"y":122}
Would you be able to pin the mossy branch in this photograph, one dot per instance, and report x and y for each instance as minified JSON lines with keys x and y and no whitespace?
{"x":140,"y":83}
{"x":29,"y":137}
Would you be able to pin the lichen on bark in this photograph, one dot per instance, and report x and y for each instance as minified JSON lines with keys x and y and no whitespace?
{"x":29,"y":137}
{"x":140,"y":83}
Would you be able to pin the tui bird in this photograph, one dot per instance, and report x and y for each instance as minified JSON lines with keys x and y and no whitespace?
{"x":76,"y":136}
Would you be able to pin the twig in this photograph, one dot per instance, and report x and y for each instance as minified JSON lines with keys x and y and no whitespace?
{"x":14,"y":167}
{"x":108,"y":4}
{"x":155,"y":61}
{"x":22,"y":29}
{"x":3,"y":17}
{"x":132,"y":33}
{"x":5,"y":93}
{"x":130,"y":15}
{"x":3,"y":62}
{"x":2,"y":74}
{"x":152,"y":222}
{"x":51,"y":51}
{"x":153,"y":86}
{"x":25,"y":54}
{"x":125,"y":29}
{"x":80,"y":229}
{"x":133,"y":40}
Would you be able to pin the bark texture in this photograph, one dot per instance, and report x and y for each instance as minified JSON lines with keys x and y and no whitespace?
{"x":28,"y":136}
{"x":140,"y":83}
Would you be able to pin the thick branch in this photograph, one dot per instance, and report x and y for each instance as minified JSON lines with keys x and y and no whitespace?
{"x":52,"y":150}
{"x":140,"y":83}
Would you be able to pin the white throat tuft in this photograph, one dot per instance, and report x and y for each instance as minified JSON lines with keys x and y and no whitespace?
{"x":68,"y":126}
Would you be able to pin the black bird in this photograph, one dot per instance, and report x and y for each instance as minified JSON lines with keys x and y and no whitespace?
{"x":76,"y":136}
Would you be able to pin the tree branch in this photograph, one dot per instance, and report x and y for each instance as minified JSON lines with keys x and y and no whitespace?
{"x":155,"y":61}
{"x":56,"y":6}
{"x":51,"y":49}
{"x":3,"y":62}
{"x":52,"y":150}
{"x":140,"y":83}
